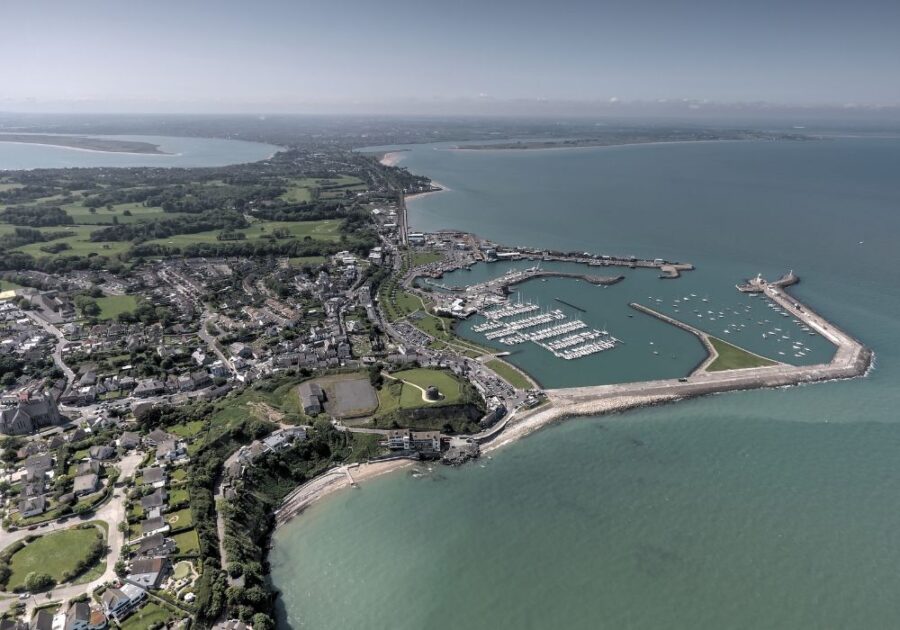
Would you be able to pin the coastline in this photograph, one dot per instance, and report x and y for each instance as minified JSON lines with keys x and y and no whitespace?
{"x":391,"y":158}
{"x":524,"y":149}
{"x":330,"y":482}
{"x":65,"y":146}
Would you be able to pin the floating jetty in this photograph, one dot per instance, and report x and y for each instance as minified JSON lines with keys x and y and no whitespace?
{"x":569,"y":304}
{"x":564,"y":338}
{"x":508,"y":311}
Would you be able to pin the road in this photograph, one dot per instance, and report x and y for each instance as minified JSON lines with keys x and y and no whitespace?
{"x":61,"y":343}
{"x":112,"y":513}
{"x":210,"y":341}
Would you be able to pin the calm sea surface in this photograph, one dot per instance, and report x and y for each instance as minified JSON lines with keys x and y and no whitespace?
{"x":765,"y":509}
{"x":183,"y":152}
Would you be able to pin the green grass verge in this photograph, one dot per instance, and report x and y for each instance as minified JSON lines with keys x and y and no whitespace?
{"x":734,"y":358}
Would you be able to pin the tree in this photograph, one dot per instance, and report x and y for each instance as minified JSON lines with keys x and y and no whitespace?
{"x":262,"y":621}
{"x":38,"y":581}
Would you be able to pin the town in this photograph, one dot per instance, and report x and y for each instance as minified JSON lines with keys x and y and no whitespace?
{"x":189,"y":357}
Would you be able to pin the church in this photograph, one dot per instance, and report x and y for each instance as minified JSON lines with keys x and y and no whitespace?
{"x":31,"y":413}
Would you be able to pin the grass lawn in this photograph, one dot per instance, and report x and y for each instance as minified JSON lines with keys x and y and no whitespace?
{"x":187,"y":429}
{"x":299,"y":261}
{"x":179,"y":474}
{"x":234,"y":409}
{"x":178,"y":495}
{"x":151,"y":613}
{"x":325,"y":230}
{"x":111,"y":306}
{"x":137,"y":212}
{"x":53,"y":554}
{"x":423,"y":258}
{"x":299,"y":191}
{"x":179,"y":519}
{"x":509,"y":374}
{"x":182,"y":570}
{"x":79,"y":243}
{"x":6,"y":285}
{"x":188,"y":542}
{"x":423,"y":377}
{"x":734,"y":358}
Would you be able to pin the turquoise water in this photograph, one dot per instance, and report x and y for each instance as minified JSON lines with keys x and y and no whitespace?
{"x":764,"y":509}
{"x":651,"y":349}
{"x":183,"y":152}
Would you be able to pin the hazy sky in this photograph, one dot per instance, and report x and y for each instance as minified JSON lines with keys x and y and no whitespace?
{"x":226,"y":54}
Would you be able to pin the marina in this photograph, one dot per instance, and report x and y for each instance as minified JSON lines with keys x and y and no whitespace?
{"x":557,"y":338}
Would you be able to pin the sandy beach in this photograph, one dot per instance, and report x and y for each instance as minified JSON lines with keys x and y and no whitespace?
{"x":330,"y":482}
{"x":392,"y":158}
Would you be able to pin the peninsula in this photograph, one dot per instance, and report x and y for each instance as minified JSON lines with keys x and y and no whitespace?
{"x":621,"y":138}
{"x":84,"y":143}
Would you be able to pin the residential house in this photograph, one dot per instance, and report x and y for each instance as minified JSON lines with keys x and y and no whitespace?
{"x":129,"y":440}
{"x":81,"y":616}
{"x":102,"y":452}
{"x":32,"y":507}
{"x":155,"y":525}
{"x":155,"y":546}
{"x":148,"y":572}
{"x":90,"y":466}
{"x":170,"y":451}
{"x":85,"y":484}
{"x":421,"y":441}
{"x":149,"y":387}
{"x":156,"y":437}
{"x":41,"y":620}
{"x":154,"y":476}
{"x":119,"y":602}
{"x":156,"y":499}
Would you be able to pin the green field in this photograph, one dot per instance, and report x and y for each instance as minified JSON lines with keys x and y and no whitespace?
{"x":54,"y":554}
{"x":187,"y":429}
{"x":423,"y":377}
{"x":509,"y":374}
{"x":326,"y":230}
{"x":6,"y":285}
{"x":418,"y":259}
{"x":734,"y":358}
{"x":307,"y":260}
{"x":80,"y":243}
{"x":111,"y":306}
{"x":151,"y":613}
{"x":101,"y":216}
{"x":188,"y":542}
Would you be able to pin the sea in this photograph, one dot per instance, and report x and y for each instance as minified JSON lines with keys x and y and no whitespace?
{"x":764,"y":509}
{"x":179,"y":152}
